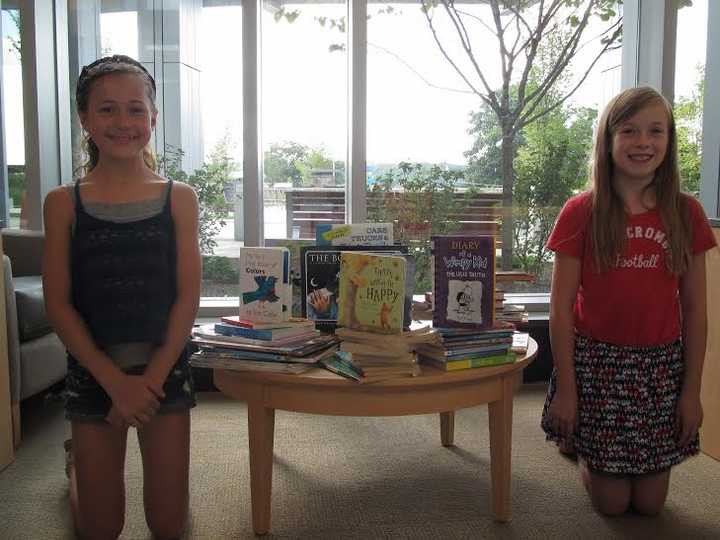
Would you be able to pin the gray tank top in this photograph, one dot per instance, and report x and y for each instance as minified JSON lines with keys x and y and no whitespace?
{"x":126,"y":355}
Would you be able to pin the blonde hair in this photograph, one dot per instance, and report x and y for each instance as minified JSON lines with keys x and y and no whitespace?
{"x":111,"y":65}
{"x":607,"y":222}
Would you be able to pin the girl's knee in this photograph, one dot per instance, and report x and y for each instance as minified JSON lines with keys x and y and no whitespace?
{"x":169,"y":525}
{"x":100,"y":529}
{"x":610,"y":506}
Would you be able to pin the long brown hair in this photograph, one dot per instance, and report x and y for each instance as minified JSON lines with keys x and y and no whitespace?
{"x":90,"y":74}
{"x":607,"y":225}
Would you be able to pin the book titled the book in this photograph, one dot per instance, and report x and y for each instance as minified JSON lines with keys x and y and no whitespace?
{"x":265,"y":290}
{"x":372,"y":292}
{"x":356,"y":234}
{"x":463,"y":281}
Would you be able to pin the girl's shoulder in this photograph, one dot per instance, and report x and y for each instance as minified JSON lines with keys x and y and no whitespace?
{"x":578,"y":207}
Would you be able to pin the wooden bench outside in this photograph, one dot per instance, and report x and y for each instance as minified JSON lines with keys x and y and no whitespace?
{"x":306,"y":207}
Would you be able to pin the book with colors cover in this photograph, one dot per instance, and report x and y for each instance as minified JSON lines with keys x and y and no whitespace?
{"x":265,"y":290}
{"x":463,"y":281}
{"x":372,"y":292}
{"x":320,"y":271}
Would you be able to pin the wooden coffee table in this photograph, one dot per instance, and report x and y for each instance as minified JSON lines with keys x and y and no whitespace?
{"x":320,"y":392}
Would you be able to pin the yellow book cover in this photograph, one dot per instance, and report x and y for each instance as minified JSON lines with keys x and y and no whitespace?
{"x":372,"y":292}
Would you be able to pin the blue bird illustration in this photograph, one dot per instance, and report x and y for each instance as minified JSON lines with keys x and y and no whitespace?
{"x":265,"y":291}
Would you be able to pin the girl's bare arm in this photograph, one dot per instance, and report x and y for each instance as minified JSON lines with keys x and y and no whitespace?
{"x":565,"y":283}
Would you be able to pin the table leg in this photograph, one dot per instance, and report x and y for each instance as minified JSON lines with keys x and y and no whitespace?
{"x":261,"y":430}
{"x":447,"y":428}
{"x":500,"y":413}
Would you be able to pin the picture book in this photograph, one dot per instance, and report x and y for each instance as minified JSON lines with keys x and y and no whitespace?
{"x":463,"y":281}
{"x":294,"y":246}
{"x":213,"y":362}
{"x":270,"y":334}
{"x":471,"y":362}
{"x":292,"y":322}
{"x":265,"y":293}
{"x":356,"y":234}
{"x":320,"y":271}
{"x":208,"y":332}
{"x":372,"y":292}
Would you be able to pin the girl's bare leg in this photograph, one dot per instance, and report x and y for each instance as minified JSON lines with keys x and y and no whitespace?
{"x":610,"y":494}
{"x":165,"y":448}
{"x":649,"y":492}
{"x":97,"y":479}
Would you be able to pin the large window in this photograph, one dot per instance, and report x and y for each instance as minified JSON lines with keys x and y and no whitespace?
{"x":435,"y":139}
{"x":689,"y":91}
{"x":304,"y":116}
{"x":13,"y":116}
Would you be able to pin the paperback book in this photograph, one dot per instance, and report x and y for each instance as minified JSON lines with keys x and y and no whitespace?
{"x":320,"y":271}
{"x":463,"y":281}
{"x":372,"y":292}
{"x":469,"y":362}
{"x":265,"y":290}
{"x":356,"y":234}
{"x":270,"y":334}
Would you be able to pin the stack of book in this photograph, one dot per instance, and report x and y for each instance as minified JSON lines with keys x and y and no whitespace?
{"x":378,"y":357}
{"x":293,"y":346}
{"x":463,"y":348}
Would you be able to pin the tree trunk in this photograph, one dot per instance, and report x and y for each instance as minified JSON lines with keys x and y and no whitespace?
{"x":507,"y":198}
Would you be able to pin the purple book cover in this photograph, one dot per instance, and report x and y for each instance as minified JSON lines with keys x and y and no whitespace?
{"x":463,"y":281}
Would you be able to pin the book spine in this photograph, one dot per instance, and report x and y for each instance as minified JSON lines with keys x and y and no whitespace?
{"x":239,"y":331}
{"x":487,"y":361}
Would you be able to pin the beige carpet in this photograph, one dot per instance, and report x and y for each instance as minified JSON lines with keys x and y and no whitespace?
{"x":337,"y":478}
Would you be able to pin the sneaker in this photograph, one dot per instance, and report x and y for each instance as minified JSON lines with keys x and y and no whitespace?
{"x":68,"y":456}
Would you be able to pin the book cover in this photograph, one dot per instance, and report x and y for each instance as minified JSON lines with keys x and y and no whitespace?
{"x":265,"y":293}
{"x":320,"y":272}
{"x":270,"y":334}
{"x":463,"y":281}
{"x":294,"y":246}
{"x":356,"y":234}
{"x":469,"y":363}
{"x":372,"y":292}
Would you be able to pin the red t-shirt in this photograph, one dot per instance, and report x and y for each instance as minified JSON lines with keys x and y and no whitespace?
{"x":635,"y":303}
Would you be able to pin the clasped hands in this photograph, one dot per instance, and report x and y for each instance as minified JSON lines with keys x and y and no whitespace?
{"x":136,"y":399}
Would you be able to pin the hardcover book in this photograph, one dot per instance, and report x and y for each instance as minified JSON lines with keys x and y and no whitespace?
{"x":295,"y":276}
{"x":320,"y":271}
{"x":265,"y":290}
{"x":372,"y":292}
{"x":356,"y":234}
{"x":463,"y":281}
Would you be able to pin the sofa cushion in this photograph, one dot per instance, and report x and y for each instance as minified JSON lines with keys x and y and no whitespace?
{"x":32,"y":320}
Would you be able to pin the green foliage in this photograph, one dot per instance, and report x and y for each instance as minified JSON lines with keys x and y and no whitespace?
{"x":420,"y":200}
{"x":16,"y":183}
{"x":688,"y":121}
{"x":209,"y":183}
{"x":295,"y":163}
{"x":550,"y":167}
{"x":220,"y":269}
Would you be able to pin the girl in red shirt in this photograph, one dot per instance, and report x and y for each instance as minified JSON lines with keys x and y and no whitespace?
{"x":628,"y":319}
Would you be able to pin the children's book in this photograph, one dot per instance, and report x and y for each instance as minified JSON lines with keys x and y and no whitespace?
{"x":463,"y":281}
{"x":320,"y":271}
{"x":295,"y":276}
{"x":471,"y":362}
{"x":265,"y":291}
{"x":372,"y":292}
{"x":292,"y":322}
{"x":233,"y":364}
{"x":270,"y":334}
{"x":356,"y":234}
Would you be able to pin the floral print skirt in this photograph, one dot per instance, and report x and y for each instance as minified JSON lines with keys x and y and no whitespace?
{"x":627,"y":401}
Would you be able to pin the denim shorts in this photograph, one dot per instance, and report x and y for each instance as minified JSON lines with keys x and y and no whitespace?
{"x":86,"y":400}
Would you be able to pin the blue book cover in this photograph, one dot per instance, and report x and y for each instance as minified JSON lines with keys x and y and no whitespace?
{"x":266,"y":334}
